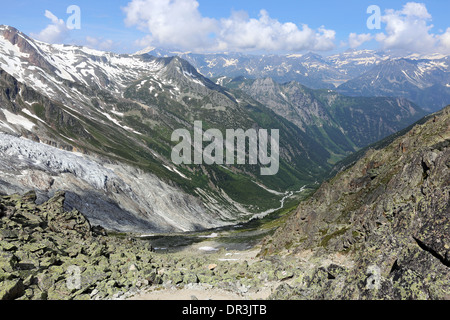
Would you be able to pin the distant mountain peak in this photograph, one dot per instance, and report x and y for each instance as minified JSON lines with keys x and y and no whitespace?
{"x":144,"y":51}
{"x":312,"y":55}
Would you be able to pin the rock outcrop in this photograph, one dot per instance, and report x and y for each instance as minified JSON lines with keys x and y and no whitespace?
{"x":389,"y":214}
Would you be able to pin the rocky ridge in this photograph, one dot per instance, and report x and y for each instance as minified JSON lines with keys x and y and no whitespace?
{"x":388,"y":214}
{"x":335,"y":120}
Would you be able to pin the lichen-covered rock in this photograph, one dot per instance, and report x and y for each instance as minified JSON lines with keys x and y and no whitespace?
{"x":11,"y":289}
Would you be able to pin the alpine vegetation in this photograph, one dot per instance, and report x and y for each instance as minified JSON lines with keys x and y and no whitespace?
{"x":232,"y":149}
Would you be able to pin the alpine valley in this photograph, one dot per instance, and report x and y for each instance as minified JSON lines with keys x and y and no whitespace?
{"x":85,"y":157}
{"x":99,"y":126}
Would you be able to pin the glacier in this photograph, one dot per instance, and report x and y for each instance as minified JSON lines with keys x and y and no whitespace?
{"x":113,"y":195}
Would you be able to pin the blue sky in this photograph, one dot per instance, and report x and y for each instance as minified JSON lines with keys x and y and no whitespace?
{"x":288,"y":26}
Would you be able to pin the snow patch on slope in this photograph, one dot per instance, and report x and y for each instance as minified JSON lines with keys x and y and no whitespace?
{"x":18,"y":120}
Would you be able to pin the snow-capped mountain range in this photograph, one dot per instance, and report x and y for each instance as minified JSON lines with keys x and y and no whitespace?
{"x":353,"y":72}
{"x":51,"y":68}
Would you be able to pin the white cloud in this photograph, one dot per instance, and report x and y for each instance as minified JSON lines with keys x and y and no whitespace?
{"x":356,"y":40}
{"x":55,"y":32}
{"x":58,"y":32}
{"x":100,"y":44}
{"x":408,"y":29}
{"x":170,"y":22}
{"x":239,"y":32}
{"x":414,"y":9}
{"x":178,"y":23}
{"x":444,"y":42}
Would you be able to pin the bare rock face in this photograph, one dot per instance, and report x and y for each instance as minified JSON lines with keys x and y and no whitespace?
{"x":389,"y":213}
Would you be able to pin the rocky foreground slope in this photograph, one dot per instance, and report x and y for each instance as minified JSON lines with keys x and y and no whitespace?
{"x":389,"y":215}
{"x":48,"y":253}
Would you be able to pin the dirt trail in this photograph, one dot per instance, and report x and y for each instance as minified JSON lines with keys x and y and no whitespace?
{"x":199,"y":292}
{"x":202,"y":291}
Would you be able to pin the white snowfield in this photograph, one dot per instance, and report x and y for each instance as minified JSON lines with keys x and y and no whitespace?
{"x":16,"y":119}
{"x":73,"y":63}
{"x":112,"y":195}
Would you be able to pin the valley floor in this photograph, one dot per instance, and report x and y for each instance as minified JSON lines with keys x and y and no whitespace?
{"x":47,"y":253}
